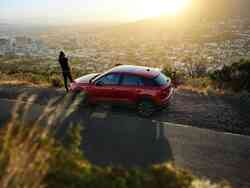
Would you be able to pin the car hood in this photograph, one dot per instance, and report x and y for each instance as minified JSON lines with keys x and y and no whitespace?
{"x":85,"y":79}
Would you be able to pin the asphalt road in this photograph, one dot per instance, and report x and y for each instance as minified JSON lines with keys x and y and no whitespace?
{"x":121,"y":139}
{"x":227,"y":113}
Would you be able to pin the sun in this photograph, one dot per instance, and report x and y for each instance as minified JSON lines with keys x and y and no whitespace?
{"x":175,"y":6}
{"x":170,"y":7}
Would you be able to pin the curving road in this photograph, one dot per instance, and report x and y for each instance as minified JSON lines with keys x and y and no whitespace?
{"x":123,"y":139}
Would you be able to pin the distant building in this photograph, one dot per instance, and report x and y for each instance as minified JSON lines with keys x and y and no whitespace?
{"x":23,"y":42}
{"x":5,"y":46}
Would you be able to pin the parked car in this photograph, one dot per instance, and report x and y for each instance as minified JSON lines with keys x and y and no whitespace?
{"x":145,"y":87}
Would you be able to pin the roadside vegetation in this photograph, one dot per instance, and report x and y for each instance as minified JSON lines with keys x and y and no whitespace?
{"x":235,"y":76}
{"x":193,"y":75}
{"x":35,"y":155}
{"x":227,"y":78}
{"x":35,"y":71}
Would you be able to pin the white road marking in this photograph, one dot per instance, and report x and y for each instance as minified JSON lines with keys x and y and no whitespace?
{"x":157,"y":132}
{"x":157,"y":124}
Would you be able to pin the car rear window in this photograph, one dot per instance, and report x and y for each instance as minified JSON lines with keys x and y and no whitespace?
{"x":162,"y":80}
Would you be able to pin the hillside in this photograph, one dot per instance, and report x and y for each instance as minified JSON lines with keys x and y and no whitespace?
{"x":195,"y":20}
{"x":215,"y":9}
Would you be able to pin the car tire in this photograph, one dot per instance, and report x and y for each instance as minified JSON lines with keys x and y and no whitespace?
{"x":146,"y":108}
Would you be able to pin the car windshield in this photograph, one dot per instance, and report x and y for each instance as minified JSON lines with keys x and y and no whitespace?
{"x":90,"y":81}
{"x":162,"y":80}
{"x":97,"y":77}
{"x":110,"y":79}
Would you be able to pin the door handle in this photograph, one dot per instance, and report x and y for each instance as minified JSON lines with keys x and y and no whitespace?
{"x":138,"y":90}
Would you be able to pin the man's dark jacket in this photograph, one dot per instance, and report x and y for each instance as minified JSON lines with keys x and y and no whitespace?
{"x":64,"y":64}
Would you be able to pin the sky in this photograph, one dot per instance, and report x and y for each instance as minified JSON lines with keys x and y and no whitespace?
{"x":78,"y":11}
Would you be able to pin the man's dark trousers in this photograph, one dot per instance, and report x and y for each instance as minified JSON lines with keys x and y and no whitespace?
{"x":66,"y":76}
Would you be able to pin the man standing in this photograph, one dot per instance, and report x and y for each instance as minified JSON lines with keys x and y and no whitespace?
{"x":65,"y":69}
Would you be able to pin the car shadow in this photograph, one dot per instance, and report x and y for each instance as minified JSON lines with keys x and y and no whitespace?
{"x":117,"y":139}
{"x":126,"y":141}
{"x":120,"y":139}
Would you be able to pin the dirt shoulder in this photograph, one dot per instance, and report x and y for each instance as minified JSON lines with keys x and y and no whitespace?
{"x":219,"y":112}
{"x":228,"y":113}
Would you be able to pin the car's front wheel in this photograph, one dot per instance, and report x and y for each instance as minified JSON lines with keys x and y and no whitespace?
{"x":146,"y":108}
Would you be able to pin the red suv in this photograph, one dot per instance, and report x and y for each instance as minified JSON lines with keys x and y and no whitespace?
{"x":146,"y":87}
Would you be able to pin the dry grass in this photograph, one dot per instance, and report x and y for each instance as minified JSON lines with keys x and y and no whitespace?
{"x":207,"y":184}
{"x":36,"y":71}
{"x":20,"y":79}
{"x":22,"y":83}
{"x":203,"y":91}
{"x":27,"y":149}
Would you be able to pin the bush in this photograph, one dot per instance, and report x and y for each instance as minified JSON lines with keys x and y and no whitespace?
{"x":177,"y":76}
{"x":199,"y":83}
{"x":235,"y":76}
{"x":168,"y":70}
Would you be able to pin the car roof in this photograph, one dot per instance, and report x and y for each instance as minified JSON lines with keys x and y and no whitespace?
{"x":147,"y":72}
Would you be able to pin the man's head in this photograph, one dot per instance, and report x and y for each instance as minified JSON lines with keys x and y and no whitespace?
{"x":62,"y":54}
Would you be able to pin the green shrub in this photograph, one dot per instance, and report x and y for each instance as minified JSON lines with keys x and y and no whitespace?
{"x":235,"y":76}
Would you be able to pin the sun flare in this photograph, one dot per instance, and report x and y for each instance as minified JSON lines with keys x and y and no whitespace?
{"x":174,"y":6}
{"x":170,"y":7}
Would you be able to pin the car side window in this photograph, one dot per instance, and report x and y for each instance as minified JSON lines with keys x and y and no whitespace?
{"x":131,"y":80}
{"x":110,"y":79}
{"x":148,"y":82}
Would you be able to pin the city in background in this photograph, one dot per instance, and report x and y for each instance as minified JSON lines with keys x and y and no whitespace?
{"x":214,"y":43}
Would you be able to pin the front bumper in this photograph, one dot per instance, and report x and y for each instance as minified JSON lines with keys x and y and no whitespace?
{"x":73,"y":86}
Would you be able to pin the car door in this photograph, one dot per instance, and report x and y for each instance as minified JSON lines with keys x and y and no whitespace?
{"x":129,"y":88}
{"x":103,"y":90}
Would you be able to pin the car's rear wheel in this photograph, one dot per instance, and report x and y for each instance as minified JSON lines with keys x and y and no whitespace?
{"x":146,"y":108}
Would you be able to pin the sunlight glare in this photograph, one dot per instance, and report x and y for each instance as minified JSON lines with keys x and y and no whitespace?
{"x":175,"y":6}
{"x":170,"y":7}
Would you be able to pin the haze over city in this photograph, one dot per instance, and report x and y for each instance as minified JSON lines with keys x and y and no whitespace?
{"x":77,"y":11}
